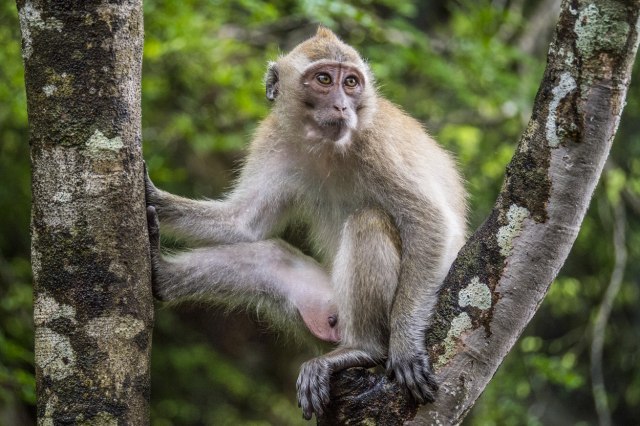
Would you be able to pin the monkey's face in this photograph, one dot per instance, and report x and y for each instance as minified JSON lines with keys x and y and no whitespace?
{"x":324,"y":90}
{"x":332,"y":93}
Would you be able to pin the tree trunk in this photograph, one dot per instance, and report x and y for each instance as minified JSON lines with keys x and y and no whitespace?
{"x":93,"y":308}
{"x":504,"y":271}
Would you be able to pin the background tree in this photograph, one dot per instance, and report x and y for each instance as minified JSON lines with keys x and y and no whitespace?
{"x":89,"y":246}
{"x":466,"y":69}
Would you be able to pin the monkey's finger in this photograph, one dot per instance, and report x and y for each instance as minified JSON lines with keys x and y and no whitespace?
{"x":320,"y":388}
{"x":153,"y":226}
{"x":427,"y":377}
{"x":430,"y":377}
{"x":303,"y":386}
{"x":390,"y":369}
{"x":423,"y":383}
{"x":298,"y":392}
{"x":413,"y":386}
{"x":149,"y":188}
{"x":324,"y":390}
{"x":152,"y":217}
{"x":398,"y":374}
{"x":307,"y":412}
{"x":410,"y":381}
{"x":146,"y":173}
{"x":316,"y":402}
{"x":147,"y":180}
{"x":305,"y":404}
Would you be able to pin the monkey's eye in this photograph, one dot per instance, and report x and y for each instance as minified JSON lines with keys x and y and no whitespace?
{"x":323,"y":78}
{"x":351,"y":81}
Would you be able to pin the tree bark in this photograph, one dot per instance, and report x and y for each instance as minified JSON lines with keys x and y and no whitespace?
{"x":502,"y":274}
{"x":93,"y":308}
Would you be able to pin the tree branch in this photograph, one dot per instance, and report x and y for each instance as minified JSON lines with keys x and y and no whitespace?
{"x":502,"y":274}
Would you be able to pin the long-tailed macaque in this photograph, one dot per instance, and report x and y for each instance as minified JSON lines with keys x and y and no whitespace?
{"x":384,"y":204}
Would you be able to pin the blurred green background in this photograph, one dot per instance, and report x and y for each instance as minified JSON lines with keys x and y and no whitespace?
{"x":467,"y":69}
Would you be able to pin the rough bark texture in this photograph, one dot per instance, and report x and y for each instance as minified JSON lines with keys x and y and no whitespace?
{"x":503,"y":273}
{"x":93,"y":308}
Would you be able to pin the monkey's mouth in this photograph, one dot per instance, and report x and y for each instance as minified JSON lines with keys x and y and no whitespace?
{"x":334,"y":123}
{"x":338,"y":131}
{"x":332,"y":129}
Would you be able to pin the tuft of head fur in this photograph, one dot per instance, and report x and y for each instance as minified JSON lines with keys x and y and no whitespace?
{"x":326,"y":45}
{"x":325,"y":32}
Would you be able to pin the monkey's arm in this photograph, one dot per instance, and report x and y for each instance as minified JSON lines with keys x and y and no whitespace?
{"x":250,"y":212}
{"x":276,"y":279}
{"x":422,"y":269}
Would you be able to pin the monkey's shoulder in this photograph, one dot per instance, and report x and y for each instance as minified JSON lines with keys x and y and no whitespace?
{"x":396,"y":138}
{"x":391,"y":122}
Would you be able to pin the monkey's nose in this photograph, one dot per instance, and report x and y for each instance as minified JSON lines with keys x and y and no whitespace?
{"x":340,"y":108}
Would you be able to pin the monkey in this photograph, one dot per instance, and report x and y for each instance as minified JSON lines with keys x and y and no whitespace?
{"x":386,"y":211}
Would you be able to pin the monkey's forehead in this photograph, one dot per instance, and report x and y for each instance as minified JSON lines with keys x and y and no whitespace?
{"x":302,"y":63}
{"x":330,"y":63}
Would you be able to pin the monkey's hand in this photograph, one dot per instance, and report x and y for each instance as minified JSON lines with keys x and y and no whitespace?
{"x":150,"y":190}
{"x":412,"y":370}
{"x":313,"y":387}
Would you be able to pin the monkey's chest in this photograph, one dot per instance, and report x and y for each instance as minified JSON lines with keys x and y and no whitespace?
{"x":326,"y":213}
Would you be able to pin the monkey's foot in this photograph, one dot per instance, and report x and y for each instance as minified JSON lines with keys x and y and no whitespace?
{"x":413,"y":372}
{"x":153,"y":226}
{"x":313,"y":387}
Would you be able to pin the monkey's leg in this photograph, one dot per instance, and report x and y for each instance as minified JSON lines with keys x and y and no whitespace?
{"x":278,"y":280}
{"x":365,"y":276}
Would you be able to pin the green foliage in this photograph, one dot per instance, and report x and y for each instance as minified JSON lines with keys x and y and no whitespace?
{"x":16,"y":349}
{"x":204,"y":387}
{"x":17,"y":383}
{"x":454,"y":65}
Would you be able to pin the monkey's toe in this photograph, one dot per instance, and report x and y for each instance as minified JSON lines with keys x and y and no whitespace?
{"x":313,"y":388}
{"x":415,"y":375}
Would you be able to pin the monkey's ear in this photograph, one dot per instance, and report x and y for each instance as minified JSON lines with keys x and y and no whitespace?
{"x":272,"y":81}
